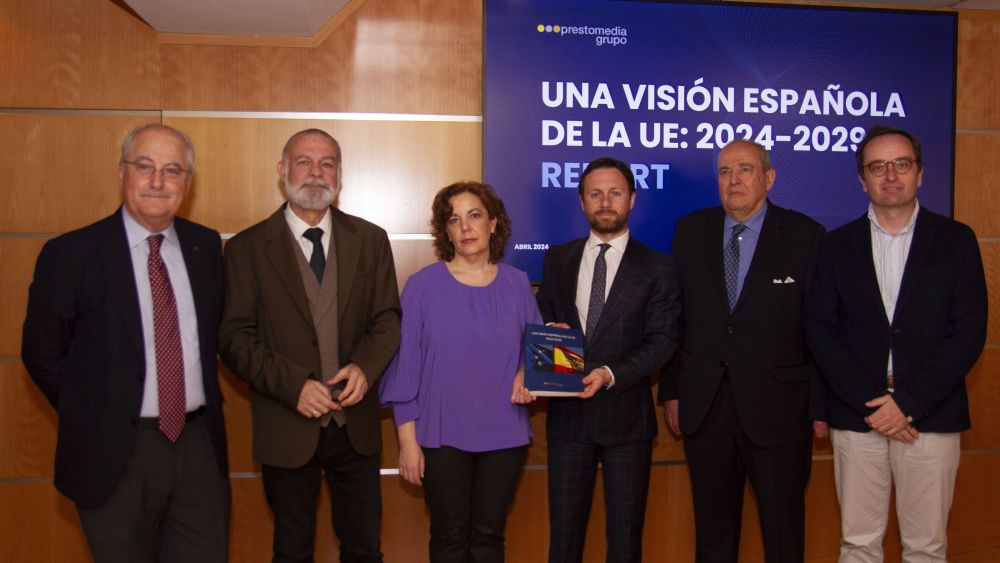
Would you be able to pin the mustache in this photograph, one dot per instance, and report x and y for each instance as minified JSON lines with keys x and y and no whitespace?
{"x":313,"y":183}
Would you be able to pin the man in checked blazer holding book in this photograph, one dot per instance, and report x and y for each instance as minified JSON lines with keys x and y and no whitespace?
{"x":624,"y":296}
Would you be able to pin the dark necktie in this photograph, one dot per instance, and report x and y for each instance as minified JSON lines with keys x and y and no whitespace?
{"x":167,"y":339}
{"x":318,"y":259}
{"x":597,"y":290}
{"x":731,"y":263}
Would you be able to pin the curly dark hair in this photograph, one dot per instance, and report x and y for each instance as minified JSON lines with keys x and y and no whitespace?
{"x":441,"y":211}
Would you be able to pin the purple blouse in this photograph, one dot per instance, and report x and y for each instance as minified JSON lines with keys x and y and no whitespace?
{"x":460,"y":350}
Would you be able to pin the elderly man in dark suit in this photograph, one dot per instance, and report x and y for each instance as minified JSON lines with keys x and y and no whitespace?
{"x":897,"y":318}
{"x":120,"y":337}
{"x":743,"y":389}
{"x":311,"y":320}
{"x":624,"y":296}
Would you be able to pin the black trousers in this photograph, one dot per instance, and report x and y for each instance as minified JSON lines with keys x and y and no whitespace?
{"x":572,"y":474}
{"x":468,"y":495}
{"x":720,"y":459}
{"x":170,"y":505}
{"x":355,"y":499}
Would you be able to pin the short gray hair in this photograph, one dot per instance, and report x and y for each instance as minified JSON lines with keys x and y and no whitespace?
{"x":317,"y":132}
{"x":765,"y":157}
{"x":180,"y":135}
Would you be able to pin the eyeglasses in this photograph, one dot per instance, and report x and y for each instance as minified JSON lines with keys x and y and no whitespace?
{"x":147,"y":170}
{"x":880,"y":167}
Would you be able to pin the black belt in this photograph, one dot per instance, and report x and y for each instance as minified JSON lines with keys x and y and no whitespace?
{"x":154,"y":421}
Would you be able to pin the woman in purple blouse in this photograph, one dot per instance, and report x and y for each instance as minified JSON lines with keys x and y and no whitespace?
{"x":456,"y":385}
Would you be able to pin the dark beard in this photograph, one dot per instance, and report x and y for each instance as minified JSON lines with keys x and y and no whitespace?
{"x":606,"y":228}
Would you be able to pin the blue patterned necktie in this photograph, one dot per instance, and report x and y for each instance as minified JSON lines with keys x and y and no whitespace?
{"x":318,"y":259}
{"x":731,"y":264}
{"x":597,"y":290}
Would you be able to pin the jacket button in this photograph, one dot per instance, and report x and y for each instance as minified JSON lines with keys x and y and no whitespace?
{"x":729,"y":328}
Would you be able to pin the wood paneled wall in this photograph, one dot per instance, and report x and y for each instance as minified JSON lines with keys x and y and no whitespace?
{"x":77,"y":74}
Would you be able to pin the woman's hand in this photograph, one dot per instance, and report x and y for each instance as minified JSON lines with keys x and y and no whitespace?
{"x":411,"y":457}
{"x":520,"y":394}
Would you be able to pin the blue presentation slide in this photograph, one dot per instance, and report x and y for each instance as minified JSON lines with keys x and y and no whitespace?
{"x":663,"y":86}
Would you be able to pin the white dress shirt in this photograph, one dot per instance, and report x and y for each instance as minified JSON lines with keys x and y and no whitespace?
{"x":299,"y":227}
{"x":890,"y":252}
{"x":585,"y":277}
{"x":173,"y":259}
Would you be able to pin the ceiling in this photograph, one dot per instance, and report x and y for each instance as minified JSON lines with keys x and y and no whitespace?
{"x":294,"y":18}
{"x":307,"y":18}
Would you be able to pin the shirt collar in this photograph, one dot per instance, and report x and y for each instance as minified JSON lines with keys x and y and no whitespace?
{"x":298,"y":226}
{"x":755,"y":223}
{"x":137,"y":234}
{"x":618,"y":243}
{"x":905,"y":230}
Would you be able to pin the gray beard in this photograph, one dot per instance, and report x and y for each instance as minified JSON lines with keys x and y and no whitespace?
{"x":311,"y":199}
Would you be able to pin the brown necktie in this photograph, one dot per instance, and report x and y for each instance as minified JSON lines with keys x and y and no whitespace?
{"x":169,"y":354}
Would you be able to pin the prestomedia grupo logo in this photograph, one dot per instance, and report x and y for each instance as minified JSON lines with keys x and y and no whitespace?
{"x":603,"y":36}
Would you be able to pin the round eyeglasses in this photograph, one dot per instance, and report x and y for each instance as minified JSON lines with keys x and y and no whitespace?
{"x":147,"y":170}
{"x":880,"y":167}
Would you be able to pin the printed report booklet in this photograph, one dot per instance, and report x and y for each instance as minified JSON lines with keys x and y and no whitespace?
{"x":553,"y":361}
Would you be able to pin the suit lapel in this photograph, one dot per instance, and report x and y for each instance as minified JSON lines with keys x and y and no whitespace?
{"x":279,"y":249}
{"x":923,"y":234}
{"x":712,"y":236}
{"x":116,"y":258}
{"x":569,"y":274}
{"x":194,"y":262}
{"x":627,"y":270}
{"x":864,"y":269}
{"x":348,"y":248}
{"x":772,"y":234}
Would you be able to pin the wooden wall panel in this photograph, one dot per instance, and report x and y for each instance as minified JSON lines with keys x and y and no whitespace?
{"x":410,"y":256}
{"x":38,"y":524}
{"x":18,"y":256}
{"x":978,"y":100}
{"x":974,"y":523}
{"x":239,"y":431}
{"x":391,"y":56}
{"x":991,"y":264}
{"x":60,"y":172}
{"x":35,"y":513}
{"x":528,"y":522}
{"x":977,"y":184}
{"x":251,"y":525}
{"x":76,"y":54}
{"x":391,"y":169}
{"x":983,"y":386}
{"x":27,"y":426}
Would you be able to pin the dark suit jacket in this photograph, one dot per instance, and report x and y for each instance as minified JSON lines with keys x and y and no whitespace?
{"x":83,"y":346}
{"x":267,"y":335}
{"x":762,"y":343}
{"x":937,"y":333}
{"x":636,"y":335}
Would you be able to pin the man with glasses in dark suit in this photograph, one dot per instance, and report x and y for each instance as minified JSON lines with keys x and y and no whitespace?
{"x":120,"y":337}
{"x":897,"y":318}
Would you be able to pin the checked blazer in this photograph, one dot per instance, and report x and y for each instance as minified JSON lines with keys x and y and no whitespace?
{"x":636,"y":335}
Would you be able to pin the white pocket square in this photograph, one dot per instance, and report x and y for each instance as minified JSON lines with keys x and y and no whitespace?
{"x":788,"y":279}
